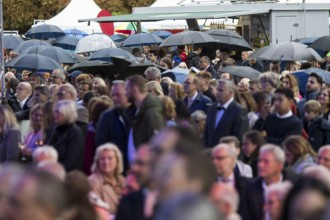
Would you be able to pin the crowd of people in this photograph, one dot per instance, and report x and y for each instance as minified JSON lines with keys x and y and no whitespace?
{"x":77,"y":146}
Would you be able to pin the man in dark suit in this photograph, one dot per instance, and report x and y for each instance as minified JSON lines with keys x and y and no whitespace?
{"x":136,"y":205}
{"x":20,"y":102}
{"x":226,"y":117}
{"x":194,"y":100}
{"x":206,"y":65}
{"x":113,"y":126}
{"x":224,"y":160}
{"x":270,"y":171}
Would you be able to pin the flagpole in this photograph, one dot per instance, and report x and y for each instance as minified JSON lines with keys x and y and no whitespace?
{"x":2,"y":64}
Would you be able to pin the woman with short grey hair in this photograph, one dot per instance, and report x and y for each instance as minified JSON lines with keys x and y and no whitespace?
{"x":66,"y":136}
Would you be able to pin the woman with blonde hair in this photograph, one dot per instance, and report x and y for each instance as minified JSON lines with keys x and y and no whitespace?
{"x":10,"y":135}
{"x":299,"y":153}
{"x":96,"y":82}
{"x":176,"y":93}
{"x":106,"y":179}
{"x":154,"y":88}
{"x":290,"y":82}
{"x":168,"y":110}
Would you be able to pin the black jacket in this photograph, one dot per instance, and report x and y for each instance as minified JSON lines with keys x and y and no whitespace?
{"x":318,"y":133}
{"x":69,"y":144}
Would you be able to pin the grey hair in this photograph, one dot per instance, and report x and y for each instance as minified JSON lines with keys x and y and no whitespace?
{"x":318,"y":172}
{"x":46,"y":150}
{"x":270,"y":77}
{"x":229,"y":194}
{"x":281,"y":189}
{"x":325,"y":147}
{"x":153,"y":71}
{"x":61,"y":73}
{"x":275,"y":150}
{"x":54,"y":168}
{"x":231,"y":151}
{"x":118,"y":82}
{"x":199,"y":114}
{"x":70,"y":88}
{"x":229,"y":84}
{"x":68,"y":109}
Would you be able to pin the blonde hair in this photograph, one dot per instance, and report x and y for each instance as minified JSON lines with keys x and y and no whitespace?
{"x":156,"y":87}
{"x":168,"y":107}
{"x":10,"y":121}
{"x":99,"y":81}
{"x":68,"y":109}
{"x":110,"y":147}
{"x":313,"y":106}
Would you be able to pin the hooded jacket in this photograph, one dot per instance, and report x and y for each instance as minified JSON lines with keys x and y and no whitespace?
{"x":318,"y":132}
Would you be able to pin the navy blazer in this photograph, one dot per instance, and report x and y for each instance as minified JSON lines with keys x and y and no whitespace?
{"x":234,"y":122}
{"x":201,"y":102}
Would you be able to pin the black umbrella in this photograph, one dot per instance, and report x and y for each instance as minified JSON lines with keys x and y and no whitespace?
{"x":187,"y":37}
{"x":29,"y":43}
{"x":142,"y":39}
{"x":107,"y":54}
{"x":44,"y":31}
{"x":56,"y":53}
{"x":66,"y":42}
{"x":93,"y":66}
{"x":241,"y":71}
{"x":11,"y":41}
{"x":290,"y":51}
{"x":229,"y":39}
{"x":34,"y":63}
{"x":322,"y":43}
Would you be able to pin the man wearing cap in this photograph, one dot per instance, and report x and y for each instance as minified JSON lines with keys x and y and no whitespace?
{"x":73,"y":77}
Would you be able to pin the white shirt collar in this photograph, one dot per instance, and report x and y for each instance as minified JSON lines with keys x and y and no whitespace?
{"x":230,"y":180}
{"x":227,"y":103}
{"x":22,"y":103}
{"x":194,"y":97}
{"x":265,"y":187}
{"x":287,"y":115}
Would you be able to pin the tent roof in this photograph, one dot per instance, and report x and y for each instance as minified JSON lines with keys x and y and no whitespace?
{"x":75,"y":10}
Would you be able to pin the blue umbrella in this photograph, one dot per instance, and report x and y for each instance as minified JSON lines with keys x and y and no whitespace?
{"x":162,"y":34}
{"x":142,"y":39}
{"x":75,"y":33}
{"x":29,"y":43}
{"x":303,"y":75}
{"x":106,"y":54}
{"x":44,"y":31}
{"x":11,"y":41}
{"x":66,"y":42}
{"x":180,"y":74}
{"x":118,"y":37}
{"x":34,"y":63}
{"x":56,"y":53}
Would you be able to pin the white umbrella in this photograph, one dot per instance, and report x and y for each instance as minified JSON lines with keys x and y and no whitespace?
{"x":94,"y":42}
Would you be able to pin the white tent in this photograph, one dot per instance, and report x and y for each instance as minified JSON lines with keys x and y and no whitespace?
{"x":77,"y":9}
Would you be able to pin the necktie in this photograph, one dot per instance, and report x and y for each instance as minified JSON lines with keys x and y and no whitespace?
{"x":219,"y":108}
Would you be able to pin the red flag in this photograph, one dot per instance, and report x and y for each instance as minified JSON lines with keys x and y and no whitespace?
{"x":107,"y":28}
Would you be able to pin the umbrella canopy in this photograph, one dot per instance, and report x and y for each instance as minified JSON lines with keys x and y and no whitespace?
{"x":107,"y":54}
{"x":129,"y":28}
{"x":187,"y":37}
{"x":179,"y":73}
{"x":322,"y":43}
{"x":92,"y":66}
{"x":56,"y":53}
{"x":118,"y":37}
{"x":66,"y":42}
{"x":29,"y":43}
{"x":229,"y":39}
{"x":241,"y":71}
{"x":290,"y":51}
{"x":44,"y":31}
{"x":11,"y":41}
{"x":34,"y":63}
{"x":75,"y":33}
{"x":142,"y":39}
{"x":94,"y":42}
{"x":162,"y":34}
{"x":306,"y":40}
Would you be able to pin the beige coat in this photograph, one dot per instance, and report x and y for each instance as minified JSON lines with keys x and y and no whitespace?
{"x":106,"y":191}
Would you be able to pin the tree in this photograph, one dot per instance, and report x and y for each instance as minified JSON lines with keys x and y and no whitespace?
{"x":19,"y":14}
